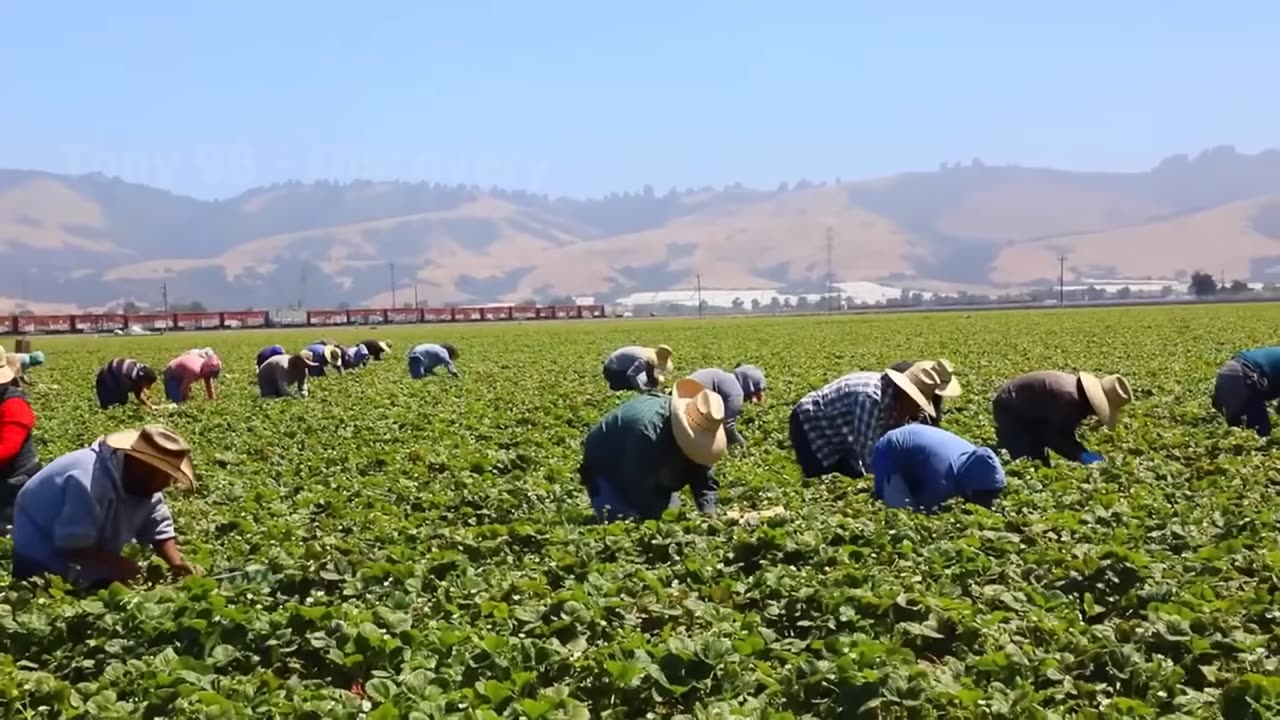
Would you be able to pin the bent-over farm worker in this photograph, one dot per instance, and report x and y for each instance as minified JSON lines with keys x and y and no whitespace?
{"x":649,"y":448}
{"x":354,"y":357}
{"x":835,"y":428}
{"x":425,"y":358}
{"x":377,"y":348}
{"x":18,"y":458}
{"x":637,"y":368}
{"x":269,"y":352}
{"x":324,"y":355}
{"x":122,"y":377}
{"x":745,"y":384}
{"x":1041,"y":411}
{"x":921,"y":467}
{"x":77,"y":514}
{"x":26,"y":361}
{"x":280,"y":371}
{"x":946,"y":375}
{"x":1244,"y":386}
{"x":183,"y":371}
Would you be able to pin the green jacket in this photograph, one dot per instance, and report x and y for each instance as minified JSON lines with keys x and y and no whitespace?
{"x":634,"y":448}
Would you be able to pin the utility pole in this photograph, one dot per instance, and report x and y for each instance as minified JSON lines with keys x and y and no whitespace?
{"x":164,"y":296}
{"x":699,"y":277}
{"x":415,"y":296}
{"x":1062,"y":263}
{"x":831,"y":278}
{"x":393,"y":283}
{"x":302,"y":287}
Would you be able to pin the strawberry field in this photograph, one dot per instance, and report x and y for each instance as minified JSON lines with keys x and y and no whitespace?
{"x":390,"y":548}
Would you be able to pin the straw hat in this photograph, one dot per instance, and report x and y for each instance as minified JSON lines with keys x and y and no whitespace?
{"x":919,"y":383}
{"x":159,"y":447}
{"x":1107,"y":396}
{"x":697,"y":419}
{"x":663,"y":355}
{"x":8,"y":366}
{"x":946,"y":375}
{"x":384,"y":346}
{"x":307,"y":359}
{"x":332,"y":354}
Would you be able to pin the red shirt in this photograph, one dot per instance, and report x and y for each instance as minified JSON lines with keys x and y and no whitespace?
{"x":16,"y":423}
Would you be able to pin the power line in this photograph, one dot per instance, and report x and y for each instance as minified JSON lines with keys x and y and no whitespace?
{"x":831,"y":278}
{"x":1062,"y":263}
{"x":393,"y":283}
{"x":699,"y":278}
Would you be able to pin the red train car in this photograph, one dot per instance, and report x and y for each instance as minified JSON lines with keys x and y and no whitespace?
{"x":10,"y":325}
{"x":593,"y":311}
{"x":568,"y":311}
{"x":468,"y":314}
{"x":99,"y":323}
{"x":546,"y":313}
{"x":44,"y":323}
{"x":524,"y":312}
{"x":197,"y":320}
{"x":326,"y":317}
{"x":496,"y":312}
{"x":367,"y":316}
{"x":404,"y":315}
{"x":437,"y":314}
{"x":151,"y":321}
{"x":245,"y":319}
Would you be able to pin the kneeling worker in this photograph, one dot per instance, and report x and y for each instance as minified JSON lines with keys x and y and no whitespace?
{"x":425,"y":358}
{"x":77,"y":514}
{"x":637,"y":368}
{"x":278,"y":372}
{"x":921,"y":467}
{"x":1245,"y":384}
{"x":123,"y":377}
{"x":1041,"y":411}
{"x":652,"y":446}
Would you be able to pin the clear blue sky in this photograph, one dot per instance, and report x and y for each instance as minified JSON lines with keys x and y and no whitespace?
{"x":583,"y":98}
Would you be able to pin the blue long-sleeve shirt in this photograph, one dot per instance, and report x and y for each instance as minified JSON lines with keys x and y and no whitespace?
{"x":76,"y":503}
{"x":933,"y":466}
{"x":1266,"y":363}
{"x":433,"y":356}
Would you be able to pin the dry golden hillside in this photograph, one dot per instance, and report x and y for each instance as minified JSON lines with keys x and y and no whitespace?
{"x":1222,"y":239}
{"x":91,"y":239}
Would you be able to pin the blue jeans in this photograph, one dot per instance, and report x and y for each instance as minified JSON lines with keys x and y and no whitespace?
{"x":172,"y":388}
{"x":608,"y":504}
{"x":417,"y":368}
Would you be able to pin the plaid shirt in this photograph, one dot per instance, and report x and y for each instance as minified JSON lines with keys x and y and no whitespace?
{"x":846,"y":417}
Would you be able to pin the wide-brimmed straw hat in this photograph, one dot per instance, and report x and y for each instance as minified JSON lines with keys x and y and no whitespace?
{"x":332,"y":354}
{"x":663,"y":354}
{"x":384,"y":346}
{"x":946,"y":375}
{"x":8,"y":366}
{"x":1107,"y":396}
{"x":159,"y":447}
{"x":307,"y":360}
{"x":919,"y":383}
{"x":697,"y":419}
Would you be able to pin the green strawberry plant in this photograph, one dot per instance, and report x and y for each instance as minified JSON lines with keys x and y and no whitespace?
{"x":395,"y":549}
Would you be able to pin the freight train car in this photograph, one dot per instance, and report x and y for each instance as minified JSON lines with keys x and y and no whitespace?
{"x":108,"y":322}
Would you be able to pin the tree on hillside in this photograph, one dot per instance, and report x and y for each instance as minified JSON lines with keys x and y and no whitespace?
{"x":755,"y":304}
{"x":1124,"y":293}
{"x":1239,"y":287}
{"x":1202,"y":284}
{"x":130,"y":308}
{"x":775,"y":304}
{"x":802,"y":302}
{"x":738,"y":304}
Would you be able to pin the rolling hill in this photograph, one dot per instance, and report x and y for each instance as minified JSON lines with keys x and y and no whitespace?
{"x":92,"y":240}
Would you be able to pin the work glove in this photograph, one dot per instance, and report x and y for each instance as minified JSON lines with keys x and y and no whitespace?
{"x":1089,"y":458}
